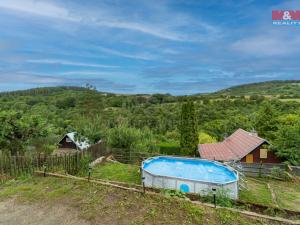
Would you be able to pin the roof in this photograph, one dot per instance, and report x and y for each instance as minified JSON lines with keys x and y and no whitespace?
{"x":233,"y":148}
{"x":81,"y":144}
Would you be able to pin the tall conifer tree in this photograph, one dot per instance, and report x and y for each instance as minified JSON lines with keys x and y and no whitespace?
{"x":188,"y":128}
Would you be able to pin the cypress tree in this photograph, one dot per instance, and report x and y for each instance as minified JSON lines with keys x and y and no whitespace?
{"x":188,"y":128}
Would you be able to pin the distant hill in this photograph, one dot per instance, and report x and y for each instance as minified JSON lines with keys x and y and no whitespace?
{"x":282,"y":89}
{"x":42,"y":91}
{"x":287,"y":88}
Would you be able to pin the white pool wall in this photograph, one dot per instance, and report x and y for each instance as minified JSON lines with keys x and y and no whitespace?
{"x":195,"y":186}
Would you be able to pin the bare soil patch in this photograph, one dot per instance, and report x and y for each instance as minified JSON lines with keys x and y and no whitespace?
{"x":15,"y":213}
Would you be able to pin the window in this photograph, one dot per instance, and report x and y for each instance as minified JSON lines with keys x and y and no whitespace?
{"x":263,"y":153}
{"x":68,"y":140}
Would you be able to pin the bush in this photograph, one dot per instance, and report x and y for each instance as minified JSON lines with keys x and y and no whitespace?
{"x":206,"y":138}
{"x":174,"y":193}
{"x":169,"y":148}
{"x":125,"y":137}
{"x":84,"y":164}
{"x":277,"y":172}
{"x":222,"y":197}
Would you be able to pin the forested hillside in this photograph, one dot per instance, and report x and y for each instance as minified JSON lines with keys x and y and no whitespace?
{"x":34,"y":120}
{"x":284,"y":89}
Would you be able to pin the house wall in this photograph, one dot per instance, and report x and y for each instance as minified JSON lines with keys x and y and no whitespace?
{"x":64,"y":144}
{"x":271,"y":157}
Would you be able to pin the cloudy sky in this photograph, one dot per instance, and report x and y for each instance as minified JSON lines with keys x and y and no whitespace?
{"x":158,"y":46}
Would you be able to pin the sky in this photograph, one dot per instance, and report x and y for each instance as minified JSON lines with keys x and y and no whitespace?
{"x":179,"y":47}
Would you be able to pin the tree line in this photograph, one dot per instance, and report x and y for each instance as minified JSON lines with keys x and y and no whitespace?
{"x":160,"y":122}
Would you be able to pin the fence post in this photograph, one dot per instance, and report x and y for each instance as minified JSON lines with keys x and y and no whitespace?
{"x":45,"y":168}
{"x":90,"y":171}
{"x":1,"y":162}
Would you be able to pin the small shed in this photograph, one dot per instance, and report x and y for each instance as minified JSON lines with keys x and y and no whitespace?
{"x":71,"y":141}
{"x":241,"y":146}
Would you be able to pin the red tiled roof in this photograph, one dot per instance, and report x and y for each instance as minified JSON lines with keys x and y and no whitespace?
{"x":235,"y":147}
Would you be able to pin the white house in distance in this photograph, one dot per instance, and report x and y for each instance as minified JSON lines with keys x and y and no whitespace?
{"x":71,"y":142}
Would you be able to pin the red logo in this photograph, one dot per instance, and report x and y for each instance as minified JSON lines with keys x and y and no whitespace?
{"x":286,"y":15}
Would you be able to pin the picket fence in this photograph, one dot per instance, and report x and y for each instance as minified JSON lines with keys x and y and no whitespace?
{"x":19,"y":164}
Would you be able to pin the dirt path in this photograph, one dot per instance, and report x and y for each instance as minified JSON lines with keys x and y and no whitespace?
{"x":12,"y":213}
{"x":272,"y":194}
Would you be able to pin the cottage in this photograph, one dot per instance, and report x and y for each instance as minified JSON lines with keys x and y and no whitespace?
{"x":72,"y":142}
{"x":240,"y":146}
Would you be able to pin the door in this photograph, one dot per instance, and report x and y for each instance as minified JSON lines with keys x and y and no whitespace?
{"x":249,"y":158}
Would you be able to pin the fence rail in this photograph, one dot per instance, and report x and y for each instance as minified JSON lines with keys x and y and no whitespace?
{"x":253,"y":170}
{"x":127,"y":156}
{"x":16,"y":165}
{"x":258,"y":169}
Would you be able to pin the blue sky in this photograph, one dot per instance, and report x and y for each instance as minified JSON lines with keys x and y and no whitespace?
{"x":160,"y":46}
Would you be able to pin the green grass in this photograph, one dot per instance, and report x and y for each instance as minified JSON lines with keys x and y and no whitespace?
{"x":287,"y":193}
{"x":257,"y":192}
{"x":102,"y":204}
{"x":118,"y":172}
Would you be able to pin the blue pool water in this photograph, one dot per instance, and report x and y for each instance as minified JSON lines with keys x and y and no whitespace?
{"x":191,"y":169}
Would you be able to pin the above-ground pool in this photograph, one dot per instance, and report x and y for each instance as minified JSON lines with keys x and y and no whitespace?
{"x":189,"y":175}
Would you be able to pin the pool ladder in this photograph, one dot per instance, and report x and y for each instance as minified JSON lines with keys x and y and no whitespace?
{"x":242,"y":178}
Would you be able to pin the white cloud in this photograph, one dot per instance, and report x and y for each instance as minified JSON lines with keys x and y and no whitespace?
{"x":164,"y":26}
{"x":97,"y":74}
{"x":68,"y":63}
{"x":147,"y":29}
{"x":20,"y":77}
{"x":268,"y":45}
{"x":40,"y":8}
{"x":143,"y":56}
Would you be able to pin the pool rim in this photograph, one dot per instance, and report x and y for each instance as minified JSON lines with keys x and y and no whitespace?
{"x":195,"y":159}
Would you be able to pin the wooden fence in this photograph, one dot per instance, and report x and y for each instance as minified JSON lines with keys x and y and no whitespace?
{"x":16,"y":165}
{"x":253,"y":169}
{"x":258,"y":169}
{"x":128,"y":156}
{"x":296,"y":170}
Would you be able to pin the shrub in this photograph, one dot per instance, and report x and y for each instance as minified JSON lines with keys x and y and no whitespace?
{"x":206,"y":138}
{"x":169,"y":148}
{"x":84,"y":164}
{"x":222,"y":197}
{"x":279,"y":173}
{"x":174,"y":193}
{"x":276,"y":171}
{"x":125,"y":137}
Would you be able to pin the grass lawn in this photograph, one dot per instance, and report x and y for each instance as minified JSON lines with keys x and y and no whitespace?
{"x":98,"y":204}
{"x":257,"y":192}
{"x":118,"y":172}
{"x":287,"y":193}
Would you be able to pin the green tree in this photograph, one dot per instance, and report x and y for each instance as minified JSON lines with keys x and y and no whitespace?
{"x":188,"y":128}
{"x":287,"y":142}
{"x":266,"y":121}
{"x":65,"y":103}
{"x":206,"y":138}
{"x":129,"y":138}
{"x":17,"y":129}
